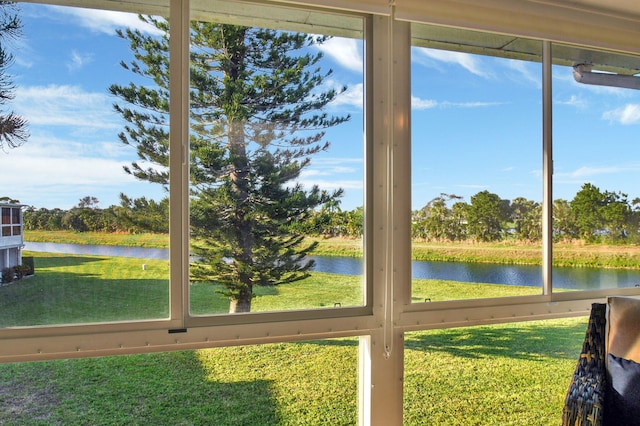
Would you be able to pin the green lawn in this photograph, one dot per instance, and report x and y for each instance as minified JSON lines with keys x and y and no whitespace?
{"x":82,"y":288}
{"x":513,"y":374}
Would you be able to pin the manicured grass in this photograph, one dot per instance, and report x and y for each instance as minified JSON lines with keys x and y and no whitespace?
{"x":514,"y":374}
{"x":83,"y":288}
{"x":297,"y":383}
{"x":510,"y":374}
{"x":423,"y":290}
{"x":79,"y":289}
{"x":98,"y":238}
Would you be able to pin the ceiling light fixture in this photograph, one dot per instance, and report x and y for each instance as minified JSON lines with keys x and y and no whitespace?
{"x":582,"y":74}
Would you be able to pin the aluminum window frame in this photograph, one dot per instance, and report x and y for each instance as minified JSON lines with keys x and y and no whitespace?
{"x":180,"y":330}
{"x":387,"y":236}
{"x":388,"y":312}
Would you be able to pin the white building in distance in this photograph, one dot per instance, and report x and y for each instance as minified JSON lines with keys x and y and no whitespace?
{"x":11,"y":235}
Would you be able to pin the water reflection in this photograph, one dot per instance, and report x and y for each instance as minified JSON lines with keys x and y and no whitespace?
{"x":96,"y":250}
{"x":522,"y":275}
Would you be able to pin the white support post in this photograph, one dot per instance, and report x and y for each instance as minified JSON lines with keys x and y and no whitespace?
{"x":381,"y":380}
{"x":381,"y":363}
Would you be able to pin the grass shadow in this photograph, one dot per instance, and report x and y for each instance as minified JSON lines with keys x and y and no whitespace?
{"x":159,"y":389}
{"x":524,"y":341}
{"x":62,"y":260}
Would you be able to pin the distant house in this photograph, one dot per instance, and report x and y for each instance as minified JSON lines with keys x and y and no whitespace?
{"x":11,"y":238}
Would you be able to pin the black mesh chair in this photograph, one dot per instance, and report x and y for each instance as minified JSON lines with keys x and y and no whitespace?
{"x":585,"y":398}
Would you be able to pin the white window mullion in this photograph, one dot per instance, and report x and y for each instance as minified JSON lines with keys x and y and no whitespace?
{"x":547,"y":170}
{"x":382,"y":353}
{"x":179,"y":160}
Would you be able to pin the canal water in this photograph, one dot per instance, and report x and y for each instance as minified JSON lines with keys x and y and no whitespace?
{"x":523,"y":275}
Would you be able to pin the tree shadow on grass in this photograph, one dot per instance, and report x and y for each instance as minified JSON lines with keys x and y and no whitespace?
{"x":158,"y":389}
{"x":504,"y":340}
{"x":63,"y":260}
{"x":528,"y":342}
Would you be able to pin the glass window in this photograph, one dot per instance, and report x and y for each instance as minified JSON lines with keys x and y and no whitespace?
{"x":6,"y":215}
{"x":15,"y":215}
{"x":476,"y":172}
{"x":276,"y":157}
{"x":596,"y":199}
{"x":302,"y":383}
{"x":491,"y":374}
{"x":102,"y":231}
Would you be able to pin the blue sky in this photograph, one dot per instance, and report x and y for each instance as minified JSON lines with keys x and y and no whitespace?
{"x":476,"y":121}
{"x":481,"y":122}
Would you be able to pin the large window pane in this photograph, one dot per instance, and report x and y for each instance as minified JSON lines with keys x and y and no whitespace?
{"x":515,"y":374}
{"x":89,"y":222}
{"x":596,"y":165}
{"x":304,"y":383}
{"x":266,"y":98}
{"x":476,"y":165}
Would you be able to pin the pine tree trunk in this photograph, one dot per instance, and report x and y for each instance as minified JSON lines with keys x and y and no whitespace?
{"x":237,"y":306}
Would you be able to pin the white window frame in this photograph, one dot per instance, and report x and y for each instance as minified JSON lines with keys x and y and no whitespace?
{"x":388,"y":312}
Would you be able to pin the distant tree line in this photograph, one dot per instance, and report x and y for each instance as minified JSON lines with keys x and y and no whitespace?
{"x":140,"y":215}
{"x":132,"y":216}
{"x":592,"y":216}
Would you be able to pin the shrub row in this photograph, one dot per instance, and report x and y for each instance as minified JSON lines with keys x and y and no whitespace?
{"x":16,"y":273}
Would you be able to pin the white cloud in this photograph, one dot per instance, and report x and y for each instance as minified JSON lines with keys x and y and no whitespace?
{"x":525,"y":72}
{"x":345,"y":51}
{"x":628,"y":114}
{"x":63,"y":105}
{"x":78,"y":60}
{"x":467,"y":61}
{"x":353,"y":96}
{"x":421,"y":104}
{"x":332,"y":165}
{"x":586,"y":171}
{"x":24,"y":62}
{"x":471,"y":104}
{"x":333,"y":173}
{"x":574,"y":101}
{"x":36,"y":172}
{"x":417,"y":103}
{"x":106,"y":21}
{"x":50,"y":171}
